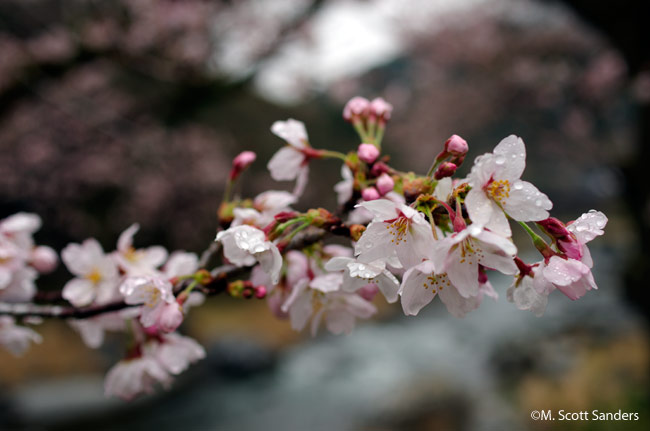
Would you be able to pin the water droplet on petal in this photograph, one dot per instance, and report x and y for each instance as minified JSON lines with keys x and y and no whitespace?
{"x":500,"y":160}
{"x":518,"y":186}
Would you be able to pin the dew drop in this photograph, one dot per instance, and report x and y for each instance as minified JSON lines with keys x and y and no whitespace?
{"x":500,"y":160}
{"x":538,"y":203}
{"x":518,"y":186}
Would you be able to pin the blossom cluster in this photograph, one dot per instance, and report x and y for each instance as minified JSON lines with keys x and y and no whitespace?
{"x":401,"y":236}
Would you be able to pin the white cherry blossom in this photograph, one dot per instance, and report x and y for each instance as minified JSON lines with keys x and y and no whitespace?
{"x":16,"y":338}
{"x":155,"y":293}
{"x":460,"y":254}
{"x":244,"y":245}
{"x":396,"y":228}
{"x":496,"y":185}
{"x":345,"y":188}
{"x":135,"y":376}
{"x":422,"y":283}
{"x":530,"y":292}
{"x":291,"y":162}
{"x":134,"y":261}
{"x":359,"y":274}
{"x":96,"y":274}
{"x":175,"y":352}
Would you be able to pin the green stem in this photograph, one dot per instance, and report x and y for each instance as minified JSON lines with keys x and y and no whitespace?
{"x":379,"y":136}
{"x":360,"y":130}
{"x":427,"y":211}
{"x":228,"y":192}
{"x":281,"y":227}
{"x":296,"y":230}
{"x":189,"y":288}
{"x":333,"y":154}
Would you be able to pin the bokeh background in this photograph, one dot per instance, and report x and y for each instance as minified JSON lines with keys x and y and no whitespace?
{"x":124,"y":111}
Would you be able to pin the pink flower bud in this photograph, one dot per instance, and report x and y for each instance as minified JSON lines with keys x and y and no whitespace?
{"x":44,"y":259}
{"x":368,"y":291}
{"x":446,"y":169}
{"x":241,"y":162}
{"x":170,"y":318}
{"x":381,"y":109}
{"x":355,"y":107}
{"x":456,"y":146}
{"x":385,"y":184}
{"x":379,"y":168}
{"x":370,"y":194}
{"x":368,"y":153}
{"x":260,"y":292}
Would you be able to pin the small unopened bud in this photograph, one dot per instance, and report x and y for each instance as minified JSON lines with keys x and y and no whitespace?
{"x":370,"y":194}
{"x":379,"y":168}
{"x":554,"y":228}
{"x":456,"y":146}
{"x":385,"y":184}
{"x":367,"y":153}
{"x":44,"y":259}
{"x":247,"y":293}
{"x":355,"y":107}
{"x":170,"y":317}
{"x":240,"y":163}
{"x":446,"y":169}
{"x":566,"y":241}
{"x":381,"y":109}
{"x":260,"y":292}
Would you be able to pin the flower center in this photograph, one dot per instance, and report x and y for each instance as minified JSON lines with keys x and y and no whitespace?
{"x":499,"y":190}
{"x":398,"y":229}
{"x":436,"y":282}
{"x":94,"y":276}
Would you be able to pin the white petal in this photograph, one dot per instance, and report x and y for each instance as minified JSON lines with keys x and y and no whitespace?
{"x":563,"y":272}
{"x":463,"y":272}
{"x":374,"y":244}
{"x":285,"y":164}
{"x":526,"y":202}
{"x":382,"y":209}
{"x":479,"y":207}
{"x":456,"y":304}
{"x":274,"y":200}
{"x":416,"y":291}
{"x":498,"y":222}
{"x":79,"y":292}
{"x":292,"y":131}
{"x":271,"y":263}
{"x":388,"y":285}
{"x":327,"y":283}
{"x":510,"y":157}
{"x":301,"y":181}
{"x":125,"y":241}
{"x":301,"y":311}
{"x":588,"y":226}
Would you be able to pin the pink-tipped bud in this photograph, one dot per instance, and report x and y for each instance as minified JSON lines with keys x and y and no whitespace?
{"x":367,"y":153}
{"x":446,"y":169}
{"x":381,"y":109}
{"x":456,"y":146}
{"x":356,"y":107}
{"x":170,"y":317}
{"x":370,"y":194}
{"x":554,"y":228}
{"x":368,"y":291}
{"x":379,"y":168}
{"x":566,"y":241}
{"x":260,"y":292}
{"x":241,"y":162}
{"x":385,"y":184}
{"x":44,"y":259}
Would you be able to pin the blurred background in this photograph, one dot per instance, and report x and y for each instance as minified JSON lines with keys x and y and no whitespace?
{"x":125,"y":111}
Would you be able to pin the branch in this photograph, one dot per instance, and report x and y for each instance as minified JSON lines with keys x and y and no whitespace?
{"x":220,"y":280}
